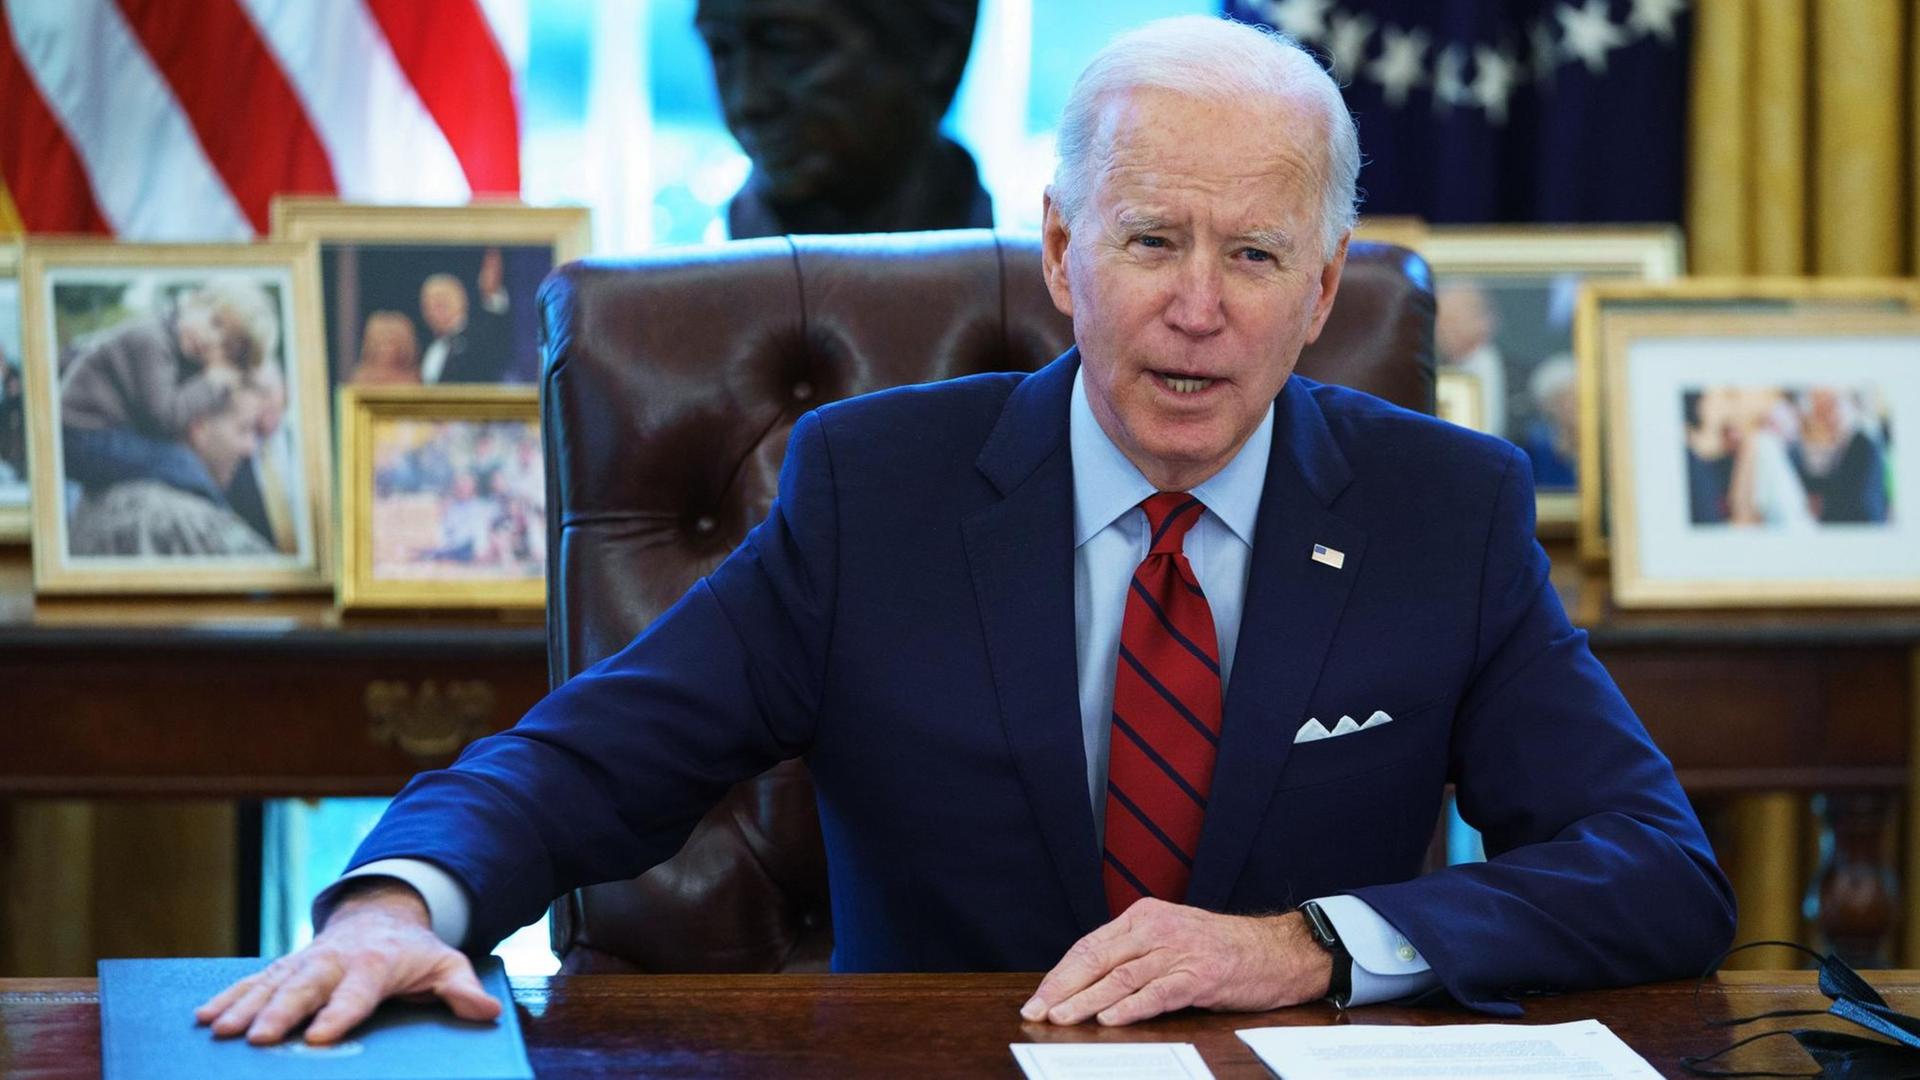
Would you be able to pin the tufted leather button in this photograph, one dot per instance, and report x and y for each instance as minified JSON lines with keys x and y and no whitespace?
{"x":803,"y":391}
{"x":704,"y":524}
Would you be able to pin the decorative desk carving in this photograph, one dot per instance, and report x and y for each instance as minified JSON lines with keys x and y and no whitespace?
{"x":431,"y":722}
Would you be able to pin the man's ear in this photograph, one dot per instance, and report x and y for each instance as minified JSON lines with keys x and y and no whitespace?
{"x":1329,"y":285}
{"x":1054,"y":237}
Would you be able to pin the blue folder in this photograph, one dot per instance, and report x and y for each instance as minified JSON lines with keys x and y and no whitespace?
{"x":147,"y":1032}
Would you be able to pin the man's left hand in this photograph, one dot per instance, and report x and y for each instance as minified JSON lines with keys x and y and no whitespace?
{"x":1159,"y":957}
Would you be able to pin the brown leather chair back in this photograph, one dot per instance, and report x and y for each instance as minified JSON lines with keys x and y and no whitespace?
{"x":672,"y":382}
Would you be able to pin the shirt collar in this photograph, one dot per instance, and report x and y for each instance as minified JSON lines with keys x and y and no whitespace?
{"x":1106,"y":485}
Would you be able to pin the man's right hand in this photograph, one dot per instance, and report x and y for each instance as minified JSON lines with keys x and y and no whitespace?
{"x":377,"y":944}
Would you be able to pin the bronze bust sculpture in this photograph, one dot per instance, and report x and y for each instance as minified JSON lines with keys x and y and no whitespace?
{"x":838,"y":103}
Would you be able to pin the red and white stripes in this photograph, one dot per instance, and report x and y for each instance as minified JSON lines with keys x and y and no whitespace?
{"x":161,"y":120}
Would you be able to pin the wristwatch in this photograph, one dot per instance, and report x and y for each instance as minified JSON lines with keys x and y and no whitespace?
{"x":1340,"y":985}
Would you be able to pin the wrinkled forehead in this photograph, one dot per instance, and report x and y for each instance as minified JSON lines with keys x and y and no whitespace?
{"x":1264,"y":158}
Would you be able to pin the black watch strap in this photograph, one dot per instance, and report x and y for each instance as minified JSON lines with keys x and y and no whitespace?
{"x":1340,"y":986}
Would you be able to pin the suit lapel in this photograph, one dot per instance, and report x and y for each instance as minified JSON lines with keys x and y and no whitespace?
{"x":1020,"y":551}
{"x":1293,"y":606}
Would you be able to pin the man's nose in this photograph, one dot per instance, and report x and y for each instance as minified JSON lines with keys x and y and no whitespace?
{"x":1198,"y":304}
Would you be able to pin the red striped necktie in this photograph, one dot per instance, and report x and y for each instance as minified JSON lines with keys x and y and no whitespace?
{"x":1166,"y":717}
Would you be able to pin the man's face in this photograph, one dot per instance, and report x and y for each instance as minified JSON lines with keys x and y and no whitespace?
{"x":812,"y":94}
{"x":1194,"y":275}
{"x":443,"y":304}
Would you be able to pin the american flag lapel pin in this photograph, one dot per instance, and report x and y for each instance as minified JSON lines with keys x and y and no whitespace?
{"x":1324,"y":554}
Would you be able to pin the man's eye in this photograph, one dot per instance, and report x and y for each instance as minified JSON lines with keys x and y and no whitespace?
{"x":1257,"y":255}
{"x":1151,"y":241}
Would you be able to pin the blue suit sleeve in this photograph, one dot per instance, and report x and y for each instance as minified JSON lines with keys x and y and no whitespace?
{"x":1598,"y":872}
{"x":608,"y":775}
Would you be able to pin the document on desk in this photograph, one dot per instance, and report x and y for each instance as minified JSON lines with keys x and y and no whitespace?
{"x":147,"y":1033}
{"x":1110,"y":1061}
{"x":1584,"y":1049}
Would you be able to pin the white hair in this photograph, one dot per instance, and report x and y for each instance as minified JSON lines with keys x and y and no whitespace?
{"x":1213,"y":59}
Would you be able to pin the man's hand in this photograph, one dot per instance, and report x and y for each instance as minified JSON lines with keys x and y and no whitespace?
{"x":1159,"y":957}
{"x":377,"y":944}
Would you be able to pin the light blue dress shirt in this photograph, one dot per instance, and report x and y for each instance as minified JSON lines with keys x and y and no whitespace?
{"x":1110,"y":538}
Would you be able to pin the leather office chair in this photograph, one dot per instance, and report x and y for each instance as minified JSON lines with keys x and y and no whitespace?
{"x":671,"y":384}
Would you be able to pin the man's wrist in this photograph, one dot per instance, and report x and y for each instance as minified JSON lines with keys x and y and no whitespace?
{"x":391,"y":896}
{"x":1321,"y":931}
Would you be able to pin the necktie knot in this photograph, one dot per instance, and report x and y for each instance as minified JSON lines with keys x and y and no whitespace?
{"x":1169,"y":515}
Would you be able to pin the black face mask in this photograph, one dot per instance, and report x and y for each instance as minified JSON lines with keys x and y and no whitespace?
{"x":1839,"y":1054}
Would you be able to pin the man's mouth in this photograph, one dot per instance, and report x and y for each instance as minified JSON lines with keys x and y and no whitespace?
{"x":1183,"y":384}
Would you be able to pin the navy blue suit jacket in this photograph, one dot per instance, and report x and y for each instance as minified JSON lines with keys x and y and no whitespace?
{"x":903,"y":619}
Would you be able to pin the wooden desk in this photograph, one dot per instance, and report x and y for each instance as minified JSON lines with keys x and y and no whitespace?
{"x":925,"y":1026}
{"x":286,"y":697}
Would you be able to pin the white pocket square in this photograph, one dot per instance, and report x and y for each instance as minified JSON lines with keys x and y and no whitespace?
{"x":1313,"y":730}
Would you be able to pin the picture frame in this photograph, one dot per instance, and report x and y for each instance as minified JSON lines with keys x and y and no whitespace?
{"x":1763,"y":459}
{"x":437,"y":486}
{"x":1457,"y":399}
{"x":1506,"y":299}
{"x":1406,"y":230}
{"x":433,"y":294}
{"x":1601,"y":301}
{"x":177,"y":434}
{"x":15,"y":480}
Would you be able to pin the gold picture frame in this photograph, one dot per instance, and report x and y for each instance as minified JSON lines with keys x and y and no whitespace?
{"x":281,"y":450}
{"x":1601,"y":301}
{"x":1536,"y":268}
{"x":1456,"y":399}
{"x":394,"y":250}
{"x":1406,"y":230}
{"x":364,"y":413}
{"x":15,"y":500}
{"x":1763,"y":459}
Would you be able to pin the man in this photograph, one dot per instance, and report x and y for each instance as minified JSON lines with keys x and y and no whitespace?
{"x":1024,"y":627}
{"x":468,"y":346}
{"x":147,"y":517}
{"x":838,"y":103}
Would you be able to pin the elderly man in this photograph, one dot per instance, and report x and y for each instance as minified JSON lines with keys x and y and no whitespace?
{"x":1107,"y":668}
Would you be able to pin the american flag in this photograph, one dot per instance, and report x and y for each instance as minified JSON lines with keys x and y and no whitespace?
{"x":1521,"y":110}
{"x":179,"y":120}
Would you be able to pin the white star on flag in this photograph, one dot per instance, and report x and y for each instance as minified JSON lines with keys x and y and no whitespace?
{"x":1347,"y":42}
{"x":1492,"y":82}
{"x":1449,"y":78}
{"x":1401,"y":64}
{"x":1655,"y":17}
{"x":1305,"y":20}
{"x":1590,"y":33}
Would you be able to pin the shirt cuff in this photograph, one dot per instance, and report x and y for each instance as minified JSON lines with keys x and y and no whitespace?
{"x":1386,"y":966}
{"x":446,"y":899}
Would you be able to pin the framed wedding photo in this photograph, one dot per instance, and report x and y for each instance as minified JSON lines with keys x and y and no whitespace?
{"x":176,"y":422}
{"x":1602,"y":301}
{"x":433,"y":295}
{"x":14,"y":483}
{"x":443,"y":498}
{"x":1763,"y":459}
{"x":1505,"y":300}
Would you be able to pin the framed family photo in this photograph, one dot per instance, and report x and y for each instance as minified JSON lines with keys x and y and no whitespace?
{"x":433,"y":296}
{"x":1505,"y":302}
{"x":14,"y":484}
{"x":1601,"y":302}
{"x":1763,"y":459}
{"x":177,"y":428}
{"x":443,"y":498}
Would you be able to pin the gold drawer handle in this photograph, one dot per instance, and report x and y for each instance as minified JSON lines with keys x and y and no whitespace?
{"x":430,"y":722}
